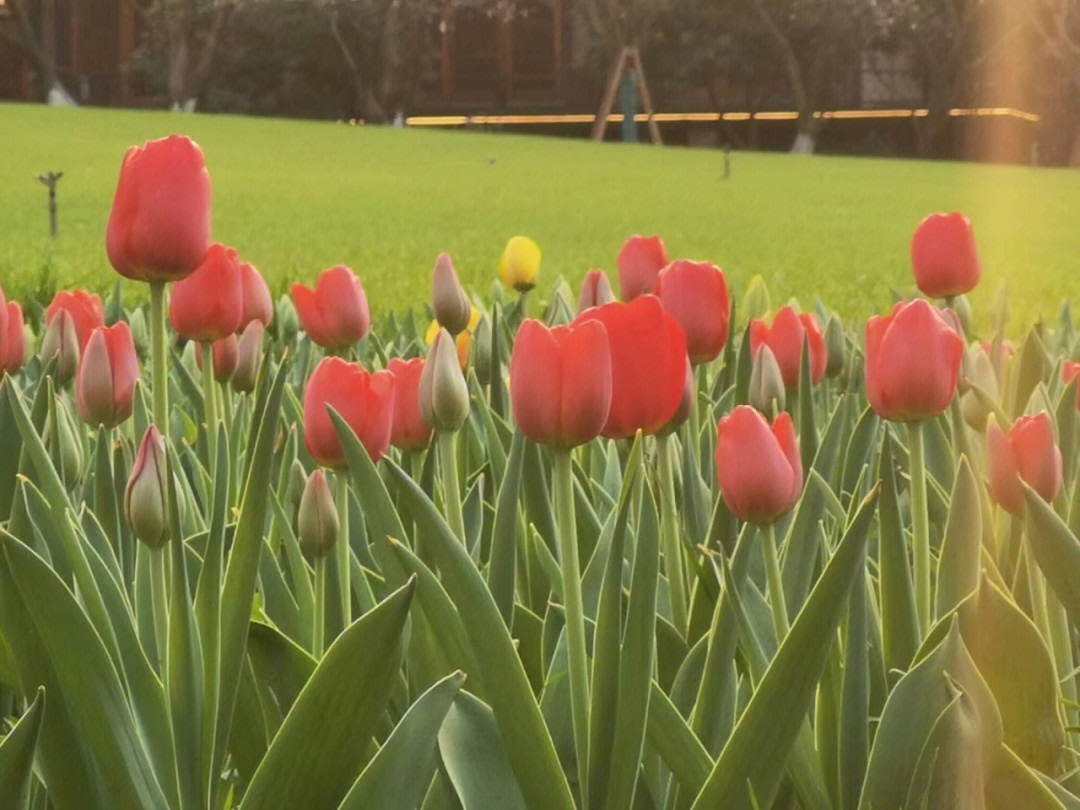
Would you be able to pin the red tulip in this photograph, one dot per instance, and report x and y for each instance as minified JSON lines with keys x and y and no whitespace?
{"x":696,"y":294}
{"x":209,"y":304}
{"x":409,"y":431}
{"x":159,"y":227}
{"x":758,"y":465}
{"x":560,"y":382}
{"x":335,"y":314}
{"x":640,"y":262}
{"x":258,"y":305}
{"x":105,"y":384}
{"x":595,"y":291}
{"x":786,"y":337}
{"x":226,"y":355}
{"x":13,"y":339}
{"x":1027,"y":452}
{"x":85,"y":310}
{"x":944,"y":258}
{"x":912,"y":362}
{"x":365,"y":401}
{"x":648,"y":365}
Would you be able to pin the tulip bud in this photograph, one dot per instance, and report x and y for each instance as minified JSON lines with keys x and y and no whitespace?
{"x":835,"y":347}
{"x":62,"y":442}
{"x":62,"y":342}
{"x":145,"y":494}
{"x":250,"y":358}
{"x":12,"y":338}
{"x":962,"y":307}
{"x":297,"y":482}
{"x":767,"y":392}
{"x":105,"y":384}
{"x":286,"y":320}
{"x":317,"y":520}
{"x":977,"y":370}
{"x":225,"y":353}
{"x":449,"y":302}
{"x":755,"y":302}
{"x":444,"y":396}
{"x":520,"y":263}
{"x":595,"y":291}
{"x":482,"y":352}
{"x":1027,"y":452}
{"x":639,"y":262}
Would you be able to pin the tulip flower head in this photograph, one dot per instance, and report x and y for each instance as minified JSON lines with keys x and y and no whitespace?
{"x":640,"y":261}
{"x":595,"y":291}
{"x":105,"y":385}
{"x":249,"y":358}
{"x":560,"y":382}
{"x":758,"y":465}
{"x":62,"y":342}
{"x":520,"y":263}
{"x":1028,"y":452}
{"x":648,"y":365}
{"x":443,"y":394}
{"x":85,"y":309}
{"x":363,"y":400}
{"x":12,"y":338}
{"x":944,"y":258}
{"x":145,"y":494}
{"x":409,"y":431}
{"x":449,"y":302}
{"x":335,"y":314}
{"x":786,"y":336}
{"x":159,"y":227}
{"x":317,"y":520}
{"x":208,"y":305}
{"x":913,"y":362}
{"x":226,"y":354}
{"x":696,"y":295}
{"x":258,"y":305}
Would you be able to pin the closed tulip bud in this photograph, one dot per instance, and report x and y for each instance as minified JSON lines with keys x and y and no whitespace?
{"x":696,"y":295}
{"x":365,"y":401}
{"x":648,"y":365}
{"x":962,"y":307}
{"x":444,"y":396}
{"x":288,"y":322}
{"x":409,"y":431}
{"x":208,"y":305}
{"x":520,"y":263}
{"x":451,"y":305}
{"x":85,"y":310}
{"x":758,"y":465}
{"x":12,"y":339}
{"x":1069,"y":372}
{"x":767,"y":392}
{"x":1028,"y":452}
{"x":159,"y":227}
{"x":944,"y":258}
{"x":786,"y":336}
{"x":226,"y":354}
{"x":249,"y":359}
{"x":105,"y":386}
{"x":560,"y":311}
{"x":977,"y":371}
{"x":62,"y":342}
{"x":639,"y":262}
{"x":63,"y":443}
{"x":913,"y":362}
{"x":595,"y":291}
{"x":145,"y":494}
{"x":297,"y":481}
{"x":482,"y":359}
{"x":756,"y":301}
{"x":335,"y":314}
{"x":835,"y":347}
{"x":258,"y":305}
{"x":560,"y":382}
{"x":317,"y":521}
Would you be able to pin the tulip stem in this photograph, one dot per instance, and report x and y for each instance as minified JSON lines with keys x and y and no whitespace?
{"x":775,"y":582}
{"x":920,"y":525}
{"x":159,"y":600}
{"x":451,"y":488}
{"x":157,"y":356}
{"x":318,"y":635}
{"x":210,"y":405}
{"x":575,"y":620}
{"x":342,"y":549}
{"x":669,"y":534}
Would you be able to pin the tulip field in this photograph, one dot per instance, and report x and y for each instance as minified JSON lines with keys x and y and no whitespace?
{"x":649,"y":540}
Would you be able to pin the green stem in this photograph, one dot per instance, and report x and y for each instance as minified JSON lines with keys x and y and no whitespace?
{"x":159,"y":599}
{"x":451,"y":488}
{"x":210,"y":404}
{"x":342,"y":549}
{"x":775,"y":583}
{"x":159,"y":373}
{"x":318,"y":635}
{"x":575,"y":619}
{"x":669,"y":534}
{"x":920,"y":525}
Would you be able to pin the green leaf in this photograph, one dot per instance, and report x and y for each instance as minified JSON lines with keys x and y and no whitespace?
{"x":961,"y":548}
{"x":504,"y":533}
{"x":1056,"y":551}
{"x":854,"y":721}
{"x":399,"y":774}
{"x":17,"y":755}
{"x":755,"y":756}
{"x":319,"y":749}
{"x":476,"y":760}
{"x":899,"y":622}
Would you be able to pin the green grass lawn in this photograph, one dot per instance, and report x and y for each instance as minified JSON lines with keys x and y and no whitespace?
{"x":296,"y":197}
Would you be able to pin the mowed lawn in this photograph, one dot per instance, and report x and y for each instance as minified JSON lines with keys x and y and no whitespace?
{"x":296,"y":197}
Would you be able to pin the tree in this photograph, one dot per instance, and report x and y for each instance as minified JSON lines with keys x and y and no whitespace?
{"x":27,"y":38}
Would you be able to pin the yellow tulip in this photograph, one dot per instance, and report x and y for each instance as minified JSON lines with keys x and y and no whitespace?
{"x":520,"y":263}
